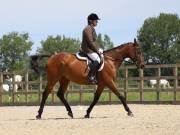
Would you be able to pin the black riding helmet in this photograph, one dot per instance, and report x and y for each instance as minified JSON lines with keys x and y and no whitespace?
{"x":93,"y":16}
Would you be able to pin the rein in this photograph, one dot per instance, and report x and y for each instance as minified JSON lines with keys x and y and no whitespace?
{"x":109,"y":57}
{"x":138,"y":51}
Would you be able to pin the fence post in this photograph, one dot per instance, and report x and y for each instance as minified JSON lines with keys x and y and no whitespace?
{"x":14,"y":88}
{"x":26,"y":85}
{"x":141,"y":75}
{"x":1,"y":87}
{"x":175,"y":71}
{"x":126,"y":83}
{"x":158,"y":80}
{"x":80,"y":94}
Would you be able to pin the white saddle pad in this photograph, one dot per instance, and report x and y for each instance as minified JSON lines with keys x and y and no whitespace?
{"x":88,"y":61}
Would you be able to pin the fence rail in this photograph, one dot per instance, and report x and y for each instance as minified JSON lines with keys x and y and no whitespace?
{"x":134,"y":88}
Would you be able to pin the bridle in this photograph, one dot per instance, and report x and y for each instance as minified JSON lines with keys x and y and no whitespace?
{"x":137,"y":56}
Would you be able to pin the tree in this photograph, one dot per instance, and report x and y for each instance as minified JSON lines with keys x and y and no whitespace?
{"x":160,"y":39}
{"x":14,"y":49}
{"x":104,"y":42}
{"x":62,"y":43}
{"x":58,"y":44}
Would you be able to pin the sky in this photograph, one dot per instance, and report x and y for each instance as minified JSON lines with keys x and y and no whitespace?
{"x":120,"y":19}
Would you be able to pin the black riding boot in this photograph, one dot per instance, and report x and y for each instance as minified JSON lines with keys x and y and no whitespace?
{"x":91,"y":75}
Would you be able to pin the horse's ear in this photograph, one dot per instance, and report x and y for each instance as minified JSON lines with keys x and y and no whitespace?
{"x":135,"y":42}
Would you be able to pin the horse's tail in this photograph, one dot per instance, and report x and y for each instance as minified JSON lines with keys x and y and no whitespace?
{"x":35,"y":64}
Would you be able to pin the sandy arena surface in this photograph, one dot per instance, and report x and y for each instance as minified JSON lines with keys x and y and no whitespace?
{"x":105,"y":120}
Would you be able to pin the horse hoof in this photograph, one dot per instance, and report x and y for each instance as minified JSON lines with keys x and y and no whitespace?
{"x":38,"y":117}
{"x":70,"y":114}
{"x":86,"y":116}
{"x":130,"y":114}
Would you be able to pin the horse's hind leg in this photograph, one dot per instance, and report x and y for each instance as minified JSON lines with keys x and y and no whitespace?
{"x":113,"y":88}
{"x":62,"y":89}
{"x":95,"y":100}
{"x":45,"y":94}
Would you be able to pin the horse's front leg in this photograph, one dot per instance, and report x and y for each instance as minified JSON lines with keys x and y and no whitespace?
{"x":114,"y":89}
{"x":95,"y":100}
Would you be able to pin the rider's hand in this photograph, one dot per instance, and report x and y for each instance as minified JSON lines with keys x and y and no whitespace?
{"x":100,"y":51}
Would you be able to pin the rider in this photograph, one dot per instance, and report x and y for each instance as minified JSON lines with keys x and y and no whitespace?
{"x":90,"y":47}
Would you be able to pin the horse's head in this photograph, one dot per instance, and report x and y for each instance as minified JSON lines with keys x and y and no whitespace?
{"x":136,"y":55}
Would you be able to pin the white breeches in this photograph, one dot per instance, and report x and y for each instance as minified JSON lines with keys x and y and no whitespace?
{"x":94,"y":56}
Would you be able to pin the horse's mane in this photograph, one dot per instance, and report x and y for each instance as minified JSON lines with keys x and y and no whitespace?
{"x":117,"y":47}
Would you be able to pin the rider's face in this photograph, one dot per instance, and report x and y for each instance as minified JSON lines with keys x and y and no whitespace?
{"x":94,"y":23}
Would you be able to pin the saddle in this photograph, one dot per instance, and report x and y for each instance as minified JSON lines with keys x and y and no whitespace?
{"x":82,"y":56}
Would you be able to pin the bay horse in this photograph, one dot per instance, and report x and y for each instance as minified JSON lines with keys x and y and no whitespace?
{"x":65,"y":67}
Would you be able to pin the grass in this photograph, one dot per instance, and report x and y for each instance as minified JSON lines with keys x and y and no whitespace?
{"x":88,"y":97}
